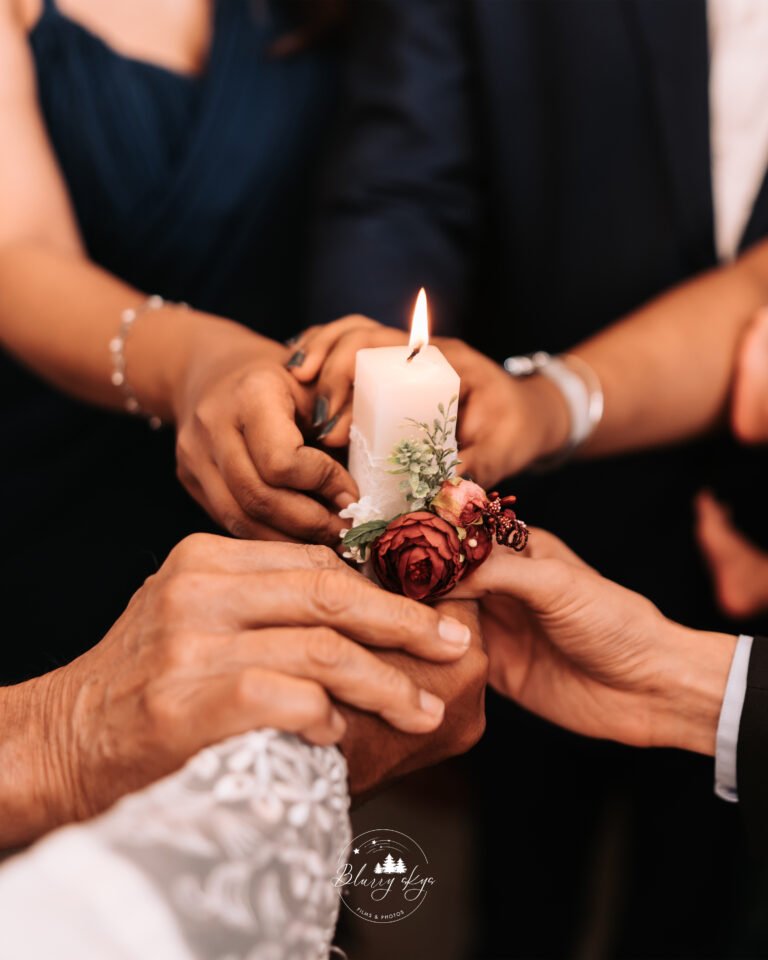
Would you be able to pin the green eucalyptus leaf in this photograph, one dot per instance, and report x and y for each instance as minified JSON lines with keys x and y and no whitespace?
{"x":365,"y":533}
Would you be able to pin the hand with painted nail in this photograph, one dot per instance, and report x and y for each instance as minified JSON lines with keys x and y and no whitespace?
{"x":504,"y":424}
{"x":240,"y":449}
{"x":229,"y":636}
{"x":323,"y":359}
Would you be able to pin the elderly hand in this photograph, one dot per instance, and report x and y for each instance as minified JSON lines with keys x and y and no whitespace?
{"x":589,"y":655}
{"x":228,"y":636}
{"x":504,"y":424}
{"x":377,"y":753}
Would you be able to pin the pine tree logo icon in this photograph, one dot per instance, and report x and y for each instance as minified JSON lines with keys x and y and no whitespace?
{"x":390,"y":866}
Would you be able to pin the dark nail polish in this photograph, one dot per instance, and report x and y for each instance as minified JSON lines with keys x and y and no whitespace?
{"x":297,"y":359}
{"x":321,"y":411}
{"x":328,"y":427}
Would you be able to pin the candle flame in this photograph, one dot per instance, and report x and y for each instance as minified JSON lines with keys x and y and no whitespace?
{"x":419,"y":324}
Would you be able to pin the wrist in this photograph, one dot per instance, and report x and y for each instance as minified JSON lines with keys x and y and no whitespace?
{"x":546,"y":418}
{"x":180,"y":347}
{"x":37,"y":793}
{"x":692,"y":683}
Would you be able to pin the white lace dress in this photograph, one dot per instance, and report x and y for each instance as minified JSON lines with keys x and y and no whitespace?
{"x":231,"y":858}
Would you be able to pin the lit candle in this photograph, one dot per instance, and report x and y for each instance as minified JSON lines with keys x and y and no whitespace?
{"x":393,"y":386}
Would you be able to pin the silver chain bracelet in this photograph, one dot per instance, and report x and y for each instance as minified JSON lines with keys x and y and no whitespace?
{"x":117,"y":350}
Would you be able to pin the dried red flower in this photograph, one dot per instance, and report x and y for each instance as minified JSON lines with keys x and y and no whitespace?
{"x":477,"y":547}
{"x":502,"y":521}
{"x":419,"y":555}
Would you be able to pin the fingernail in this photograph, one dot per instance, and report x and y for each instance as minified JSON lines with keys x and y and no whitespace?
{"x":321,"y":411}
{"x":296,"y":360}
{"x":292,"y":341}
{"x":328,"y":427}
{"x":454,"y":632}
{"x":343,"y":500}
{"x":431,"y":704}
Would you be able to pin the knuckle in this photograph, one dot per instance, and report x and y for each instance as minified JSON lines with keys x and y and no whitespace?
{"x":325,"y":648}
{"x":249,"y":384}
{"x":320,"y":557}
{"x":320,"y":531}
{"x":395,"y":682}
{"x":192,"y":549}
{"x":249,"y":688}
{"x":315,"y":704}
{"x":277,"y":465}
{"x":328,"y":472}
{"x":330,"y":593}
{"x":409,"y":618}
{"x":255,"y":501}
{"x":205,"y":416}
{"x":239,"y":527}
{"x":179,"y":649}
{"x":177,"y":592}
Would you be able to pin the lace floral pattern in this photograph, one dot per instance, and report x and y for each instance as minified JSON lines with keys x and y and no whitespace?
{"x":243,"y":842}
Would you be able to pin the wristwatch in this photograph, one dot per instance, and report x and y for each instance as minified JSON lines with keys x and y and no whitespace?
{"x":580,"y":387}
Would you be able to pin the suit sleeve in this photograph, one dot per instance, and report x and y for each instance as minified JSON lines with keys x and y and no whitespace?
{"x":752,"y":751}
{"x":398,"y":205}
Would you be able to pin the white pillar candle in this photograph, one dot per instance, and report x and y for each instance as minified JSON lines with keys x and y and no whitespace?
{"x":391,"y":390}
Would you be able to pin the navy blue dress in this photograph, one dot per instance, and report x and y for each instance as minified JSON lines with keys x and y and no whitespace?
{"x":197,"y":188}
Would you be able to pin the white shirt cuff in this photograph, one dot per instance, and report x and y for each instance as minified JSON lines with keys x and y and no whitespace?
{"x":730,"y":719}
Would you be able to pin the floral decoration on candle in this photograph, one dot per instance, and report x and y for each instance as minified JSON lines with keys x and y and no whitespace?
{"x":451,"y":523}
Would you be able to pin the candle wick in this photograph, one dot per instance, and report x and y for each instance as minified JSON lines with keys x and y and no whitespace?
{"x":415,"y":352}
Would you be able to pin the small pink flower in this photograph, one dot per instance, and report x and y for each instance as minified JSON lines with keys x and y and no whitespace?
{"x":461,"y":502}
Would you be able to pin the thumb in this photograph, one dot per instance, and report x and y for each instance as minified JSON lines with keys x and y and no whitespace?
{"x":537,"y":583}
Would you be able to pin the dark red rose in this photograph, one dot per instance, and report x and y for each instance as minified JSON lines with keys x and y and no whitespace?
{"x":419,"y":555}
{"x":477,"y":547}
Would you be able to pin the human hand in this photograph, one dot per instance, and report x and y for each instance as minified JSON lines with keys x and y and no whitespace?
{"x":504,"y":424}
{"x":376,"y":753}
{"x":593,"y":657}
{"x":739,"y":568}
{"x":240,"y":451}
{"x":324,"y":359}
{"x":228,"y":636}
{"x":749,"y":405}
